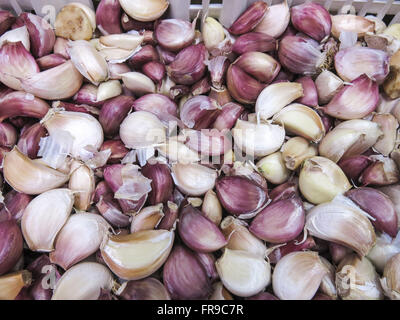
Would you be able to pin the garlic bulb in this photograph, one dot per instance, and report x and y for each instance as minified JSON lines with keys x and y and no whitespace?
{"x":44,"y":217}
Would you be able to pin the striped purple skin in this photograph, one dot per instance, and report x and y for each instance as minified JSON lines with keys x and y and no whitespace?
{"x":11,"y":245}
{"x":249,"y":19}
{"x":162,"y":184}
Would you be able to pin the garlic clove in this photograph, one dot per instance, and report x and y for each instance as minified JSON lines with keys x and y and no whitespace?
{"x":161,"y":182}
{"x":260,"y":65}
{"x":280,"y":222}
{"x":75,"y":21}
{"x":178,"y":152}
{"x":142,"y":129}
{"x":14,"y":205}
{"x":328,"y":285}
{"x":388,"y":124}
{"x":146,"y":289}
{"x":8,"y":135}
{"x":80,"y":237}
{"x":220,"y":293}
{"x":320,"y":180}
{"x":284,"y":191}
{"x":124,"y":41}
{"x":356,"y":279}
{"x":296,"y":150}
{"x":29,"y":177}
{"x":198,"y":232}
{"x":16,"y":64}
{"x":275,"y":21}
{"x":83,"y":281}
{"x":254,"y":41}
{"x":353,"y":166}
{"x":108,"y":90}
{"x":352,"y":23}
{"x":11,"y":246}
{"x":138,"y":83}
{"x":298,"y":275}
{"x":299,"y":244}
{"x":84,"y":128}
{"x":137,"y":255}
{"x":199,"y":112}
{"x":391,"y":276}
{"x":81,"y":182}
{"x":145,"y":11}
{"x":240,"y":238}
{"x":243,"y":273}
{"x":332,"y":221}
{"x":213,"y":33}
{"x":184,"y":276}
{"x":240,"y":196}
{"x":108,"y":17}
{"x":11,"y":284}
{"x":276,"y":96}
{"x":383,"y":171}
{"x":6,"y":20}
{"x":170,"y":216}
{"x":230,"y":113}
{"x":211,"y":207}
{"x":57,"y":83}
{"x":312,"y":19}
{"x":328,"y":84}
{"x":273,"y":168}
{"x":207,"y":142}
{"x":174,"y":34}
{"x":154,"y":70}
{"x":193,"y":179}
{"x":258,"y":140}
{"x":163,"y":107}
{"x":249,"y":19}
{"x":301,"y":120}
{"x":111,"y":211}
{"x":17,"y":35}
{"x":147,"y":219}
{"x":42,"y":220}
{"x":384,"y":249}
{"x":50,"y":61}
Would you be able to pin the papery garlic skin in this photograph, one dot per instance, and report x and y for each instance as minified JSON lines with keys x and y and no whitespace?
{"x":44,"y":217}
{"x":297,"y":276}
{"x":83,"y":282}
{"x":321,"y":180}
{"x":342,"y":222}
{"x":243,"y":273}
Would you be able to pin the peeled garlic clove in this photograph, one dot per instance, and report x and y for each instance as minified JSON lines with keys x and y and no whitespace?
{"x":142,"y":129}
{"x":81,"y":181}
{"x":379,"y":206}
{"x":300,"y":55}
{"x":6,"y":20}
{"x":198,"y":232}
{"x":84,"y":128}
{"x":275,"y":20}
{"x":276,"y":96}
{"x":30,"y":177}
{"x":384,"y":249}
{"x":249,"y":19}
{"x":382,"y":172}
{"x":353,"y":166}
{"x":281,"y":221}
{"x":254,"y":41}
{"x":174,"y":34}
{"x":11,"y":245}
{"x":243,"y":87}
{"x":193,"y":179}
{"x":356,"y":279}
{"x":80,"y":237}
{"x":243,"y":273}
{"x":259,"y":65}
{"x":199,"y":112}
{"x":296,"y":150}
{"x":240,"y":196}
{"x":321,"y":180}
{"x":145,"y":11}
{"x":211,"y":207}
{"x":213,"y":33}
{"x":138,"y":83}
{"x":352,"y":23}
{"x":258,"y":140}
{"x":328,"y":84}
{"x":48,"y":84}
{"x":16,"y":63}
{"x":146,"y":289}
{"x":301,"y":120}
{"x":42,"y":219}
{"x":137,"y":255}
{"x":83,"y":281}
{"x":273,"y":168}
{"x":16,"y":35}
{"x":312,"y":19}
{"x":229,"y":114}
{"x":108,"y":17}
{"x":113,"y":112}
{"x":332,"y":220}
{"x":75,"y":21}
{"x":240,"y":238}
{"x":298,"y":275}
{"x":161,"y":182}
{"x":354,"y":101}
{"x":188,"y":67}
{"x":388,"y":125}
{"x":147,"y":219}
{"x":11,"y":284}
{"x":41,"y":33}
